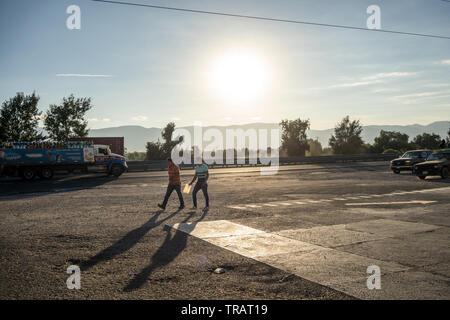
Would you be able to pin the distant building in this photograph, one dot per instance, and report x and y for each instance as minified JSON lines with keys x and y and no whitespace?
{"x":116,"y":144}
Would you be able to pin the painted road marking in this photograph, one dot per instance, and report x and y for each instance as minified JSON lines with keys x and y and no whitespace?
{"x":244,"y":240}
{"x":214,"y":229}
{"x":262,"y":244}
{"x":329,"y":236}
{"x":389,"y":202}
{"x":253,"y":206}
{"x":310,"y":201}
{"x":323,"y":265}
{"x":390,"y":228}
{"x":330,"y":267}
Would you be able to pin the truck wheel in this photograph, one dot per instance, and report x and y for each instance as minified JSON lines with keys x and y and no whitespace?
{"x":116,"y":170}
{"x":46,"y":173}
{"x":444,"y":173}
{"x":422,"y":177}
{"x":396,"y":171}
{"x":27,"y":174}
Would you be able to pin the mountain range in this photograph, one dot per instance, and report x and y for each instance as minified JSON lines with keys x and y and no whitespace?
{"x":136,"y":137}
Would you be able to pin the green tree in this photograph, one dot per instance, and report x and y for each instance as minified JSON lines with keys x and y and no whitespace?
{"x":158,"y":150}
{"x":293,"y":139}
{"x":67,"y":120}
{"x":347,"y":137}
{"x":168,"y":144}
{"x":391,"y":140}
{"x":392,"y":151}
{"x":135,"y":156}
{"x":327,"y":151}
{"x":154,"y":151}
{"x":368,"y":148}
{"x":315,"y":147}
{"x":19,"y":118}
{"x":427,"y":141}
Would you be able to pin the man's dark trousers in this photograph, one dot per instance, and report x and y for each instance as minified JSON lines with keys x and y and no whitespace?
{"x":170,"y":188}
{"x":201,"y":184}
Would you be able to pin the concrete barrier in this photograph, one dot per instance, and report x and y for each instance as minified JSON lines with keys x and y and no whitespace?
{"x":157,"y":165}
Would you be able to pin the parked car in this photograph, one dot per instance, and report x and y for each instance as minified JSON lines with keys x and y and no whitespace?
{"x":438,"y":163}
{"x":407,"y":161}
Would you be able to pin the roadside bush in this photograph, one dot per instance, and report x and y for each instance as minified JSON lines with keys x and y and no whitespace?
{"x":392,"y":151}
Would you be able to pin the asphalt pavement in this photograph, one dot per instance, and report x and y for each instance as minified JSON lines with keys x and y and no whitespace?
{"x":307,"y":232}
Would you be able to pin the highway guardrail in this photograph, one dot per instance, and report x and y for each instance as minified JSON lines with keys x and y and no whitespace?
{"x":157,"y":165}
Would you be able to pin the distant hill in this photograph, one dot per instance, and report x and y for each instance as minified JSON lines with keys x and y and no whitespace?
{"x":136,"y":137}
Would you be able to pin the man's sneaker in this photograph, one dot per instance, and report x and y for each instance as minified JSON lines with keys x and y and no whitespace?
{"x":206,"y":208}
{"x":181,"y":207}
{"x":161,"y":206}
{"x":194,"y":208}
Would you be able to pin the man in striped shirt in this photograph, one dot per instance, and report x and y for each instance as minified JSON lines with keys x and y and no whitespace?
{"x":201,"y":172}
{"x":174,"y":184}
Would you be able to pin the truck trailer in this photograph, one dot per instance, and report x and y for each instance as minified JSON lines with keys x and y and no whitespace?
{"x":30,"y":159}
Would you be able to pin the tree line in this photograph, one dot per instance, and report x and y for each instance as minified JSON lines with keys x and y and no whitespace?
{"x":20,"y":115}
{"x":295,"y":142}
{"x":347,"y":140}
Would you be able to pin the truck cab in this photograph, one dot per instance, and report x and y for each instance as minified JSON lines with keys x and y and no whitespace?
{"x":105,"y":160}
{"x":102,"y":150}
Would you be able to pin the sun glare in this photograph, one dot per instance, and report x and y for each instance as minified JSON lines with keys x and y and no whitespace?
{"x":239,"y":77}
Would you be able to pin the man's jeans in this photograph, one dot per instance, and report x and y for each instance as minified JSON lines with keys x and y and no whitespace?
{"x":201,"y":184}
{"x":170,"y":188}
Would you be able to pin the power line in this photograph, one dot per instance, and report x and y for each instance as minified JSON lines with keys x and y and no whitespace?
{"x":273,"y":19}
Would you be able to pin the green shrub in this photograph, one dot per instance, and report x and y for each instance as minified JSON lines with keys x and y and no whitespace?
{"x":391,"y":151}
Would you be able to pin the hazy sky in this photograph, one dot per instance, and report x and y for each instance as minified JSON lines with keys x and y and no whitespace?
{"x":147,"y":67}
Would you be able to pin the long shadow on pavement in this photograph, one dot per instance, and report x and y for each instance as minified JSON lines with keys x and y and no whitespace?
{"x":127,"y":242}
{"x":169,"y":250}
{"x":62,"y":184}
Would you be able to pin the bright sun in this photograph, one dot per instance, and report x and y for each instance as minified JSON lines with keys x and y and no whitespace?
{"x":239,"y":77}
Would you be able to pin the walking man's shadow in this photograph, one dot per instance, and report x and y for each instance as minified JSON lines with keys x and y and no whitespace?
{"x":127,"y":242}
{"x":169,"y":250}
